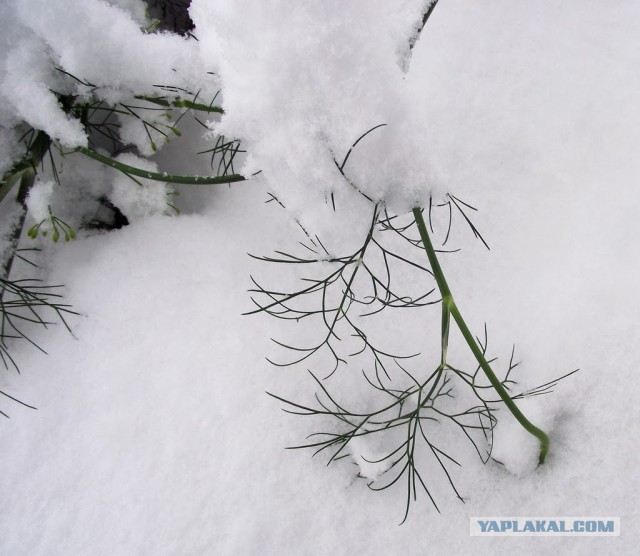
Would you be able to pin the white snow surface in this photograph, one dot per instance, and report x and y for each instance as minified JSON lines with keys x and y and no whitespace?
{"x":153,"y":433}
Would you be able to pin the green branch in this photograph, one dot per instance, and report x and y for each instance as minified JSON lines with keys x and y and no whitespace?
{"x":450,"y":308}
{"x":181,"y":103}
{"x":24,"y":173}
{"x":156,"y":176}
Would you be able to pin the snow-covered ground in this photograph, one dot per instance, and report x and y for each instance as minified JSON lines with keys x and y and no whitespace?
{"x":153,"y":433}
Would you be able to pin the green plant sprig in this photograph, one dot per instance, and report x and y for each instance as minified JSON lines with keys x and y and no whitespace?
{"x":403,"y":425}
{"x":362,"y":278}
{"x":411,"y":409}
{"x":27,"y":301}
{"x":225,"y":152}
{"x":23,"y":173}
{"x":156,"y":176}
{"x":450,"y":309}
{"x":404,"y":422}
{"x":58,"y":226}
{"x":182,"y":103}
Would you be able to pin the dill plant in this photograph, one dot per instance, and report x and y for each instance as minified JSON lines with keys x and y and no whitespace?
{"x":407,"y":399}
{"x":25,"y":302}
{"x":396,"y":266}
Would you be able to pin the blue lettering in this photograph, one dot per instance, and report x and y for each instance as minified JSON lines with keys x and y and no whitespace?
{"x":505,"y":525}
{"x":605,"y":527}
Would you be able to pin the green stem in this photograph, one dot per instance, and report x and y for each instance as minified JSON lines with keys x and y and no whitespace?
{"x":181,"y":103}
{"x":167,"y":178}
{"x":27,"y":179}
{"x":24,"y":173}
{"x":450,"y":307}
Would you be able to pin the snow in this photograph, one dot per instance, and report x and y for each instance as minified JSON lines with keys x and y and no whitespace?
{"x":39,"y":200}
{"x":82,"y":45}
{"x":147,"y":199}
{"x":371,"y":463}
{"x":300,"y":99}
{"x":153,"y":433}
